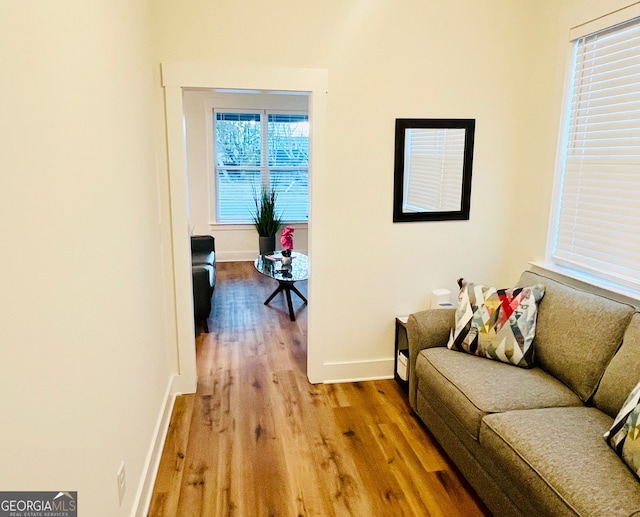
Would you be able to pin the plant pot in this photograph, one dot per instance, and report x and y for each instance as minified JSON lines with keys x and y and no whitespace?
{"x":267,"y":244}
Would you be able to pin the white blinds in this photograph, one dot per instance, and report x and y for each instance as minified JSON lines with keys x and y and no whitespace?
{"x":288,"y":158}
{"x":259,"y":148}
{"x":598,"y":227}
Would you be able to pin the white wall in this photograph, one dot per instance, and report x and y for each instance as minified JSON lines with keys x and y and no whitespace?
{"x":87,"y":339}
{"x":84,"y":362}
{"x":498,"y":61}
{"x":385,"y":60}
{"x":233,"y":242}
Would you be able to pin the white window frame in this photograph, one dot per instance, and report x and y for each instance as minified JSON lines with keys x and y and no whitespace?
{"x":585,"y":274}
{"x":244,"y":101}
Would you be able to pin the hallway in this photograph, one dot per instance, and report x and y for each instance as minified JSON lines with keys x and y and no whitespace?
{"x":258,"y":440}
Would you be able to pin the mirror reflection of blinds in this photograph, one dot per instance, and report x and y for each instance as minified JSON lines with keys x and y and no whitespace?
{"x":433,"y":169}
{"x":598,"y":226}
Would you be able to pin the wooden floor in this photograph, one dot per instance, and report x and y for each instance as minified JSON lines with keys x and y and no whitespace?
{"x":258,"y":440}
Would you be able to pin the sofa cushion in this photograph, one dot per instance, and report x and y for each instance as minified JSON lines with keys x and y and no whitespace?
{"x":577,"y":333}
{"x":624,"y":435}
{"x":497,"y":324}
{"x":491,"y":484}
{"x":558,"y":457}
{"x":474,"y":387}
{"x":623,"y":372}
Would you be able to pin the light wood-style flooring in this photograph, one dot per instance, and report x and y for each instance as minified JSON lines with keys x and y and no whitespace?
{"x":258,"y":440}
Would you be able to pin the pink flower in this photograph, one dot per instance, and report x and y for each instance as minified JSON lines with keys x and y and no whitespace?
{"x":286,"y":238}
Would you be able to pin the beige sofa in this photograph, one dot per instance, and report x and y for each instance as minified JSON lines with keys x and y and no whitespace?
{"x":530,"y":441}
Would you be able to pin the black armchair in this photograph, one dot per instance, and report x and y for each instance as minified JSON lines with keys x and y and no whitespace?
{"x":203,"y":269}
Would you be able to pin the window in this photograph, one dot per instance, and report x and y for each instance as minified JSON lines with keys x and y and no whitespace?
{"x":596,"y":230}
{"x":258,"y":148}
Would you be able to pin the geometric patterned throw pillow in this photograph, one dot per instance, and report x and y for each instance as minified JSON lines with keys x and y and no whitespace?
{"x":498,"y":324}
{"x":624,"y":435}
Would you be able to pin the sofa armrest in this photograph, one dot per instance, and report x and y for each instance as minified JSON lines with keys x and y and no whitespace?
{"x":202,"y":277}
{"x":426,"y":329}
{"x":203,"y":243}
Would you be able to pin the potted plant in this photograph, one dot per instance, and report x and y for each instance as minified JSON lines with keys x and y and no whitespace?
{"x":286,"y":239}
{"x":265,"y":219}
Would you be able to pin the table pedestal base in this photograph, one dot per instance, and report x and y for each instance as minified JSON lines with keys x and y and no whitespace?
{"x":287,"y":287}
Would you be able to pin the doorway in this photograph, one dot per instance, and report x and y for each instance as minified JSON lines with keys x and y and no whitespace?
{"x":176,"y":78}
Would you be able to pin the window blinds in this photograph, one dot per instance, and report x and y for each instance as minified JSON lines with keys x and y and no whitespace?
{"x":260,"y":148}
{"x":598,"y":225}
{"x":288,"y":157}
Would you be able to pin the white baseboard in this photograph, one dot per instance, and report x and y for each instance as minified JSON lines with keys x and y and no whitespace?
{"x":152,"y":463}
{"x":357,"y":371}
{"x":183,"y":384}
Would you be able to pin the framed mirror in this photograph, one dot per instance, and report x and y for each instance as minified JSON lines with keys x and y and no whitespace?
{"x":432,"y":169}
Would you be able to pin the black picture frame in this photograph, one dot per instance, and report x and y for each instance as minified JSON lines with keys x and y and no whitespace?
{"x":400,"y":213}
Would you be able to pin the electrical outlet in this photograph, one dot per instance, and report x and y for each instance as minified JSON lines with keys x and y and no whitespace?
{"x":122,"y":483}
